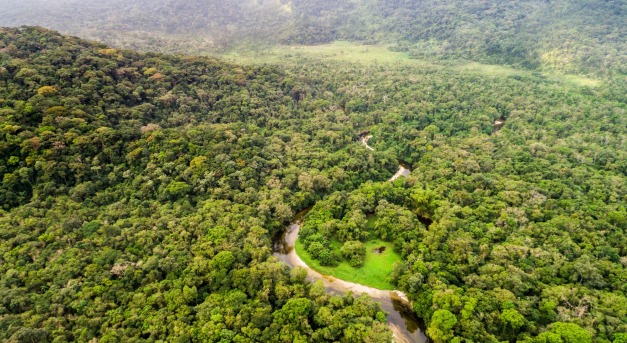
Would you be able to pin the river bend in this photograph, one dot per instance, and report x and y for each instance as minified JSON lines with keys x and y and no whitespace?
{"x":401,"y":319}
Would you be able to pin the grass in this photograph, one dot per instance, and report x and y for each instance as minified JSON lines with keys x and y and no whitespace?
{"x":488,"y":69}
{"x":505,"y":71}
{"x":576,"y":79}
{"x":349,"y":52}
{"x":337,"y":51}
{"x":374,"y":273}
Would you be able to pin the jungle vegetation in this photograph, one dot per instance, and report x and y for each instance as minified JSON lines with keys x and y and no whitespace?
{"x":140,"y":193}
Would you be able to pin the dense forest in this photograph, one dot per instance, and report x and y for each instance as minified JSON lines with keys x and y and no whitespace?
{"x":574,"y":36}
{"x":510,"y":232}
{"x":140,"y":193}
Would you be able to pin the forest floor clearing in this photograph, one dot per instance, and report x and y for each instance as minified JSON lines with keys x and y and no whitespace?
{"x":342,"y":51}
{"x":374,"y":273}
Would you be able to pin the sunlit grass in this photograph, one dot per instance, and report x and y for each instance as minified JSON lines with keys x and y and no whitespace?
{"x":488,"y":69}
{"x":374,"y":273}
{"x":337,"y":51}
{"x":576,"y":80}
{"x":349,"y":52}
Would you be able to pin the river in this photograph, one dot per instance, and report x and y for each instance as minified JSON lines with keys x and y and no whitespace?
{"x":401,"y":319}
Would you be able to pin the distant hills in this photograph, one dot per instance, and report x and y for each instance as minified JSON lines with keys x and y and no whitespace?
{"x":569,"y":35}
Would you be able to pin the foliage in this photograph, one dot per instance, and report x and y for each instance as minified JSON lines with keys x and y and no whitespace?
{"x":354,"y":252}
{"x":440,"y":328}
{"x":343,"y":218}
{"x":140,"y":192}
{"x":509,"y":220}
{"x":566,"y":333}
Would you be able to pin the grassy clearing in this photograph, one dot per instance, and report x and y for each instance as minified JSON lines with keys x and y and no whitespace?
{"x":337,"y":51}
{"x":488,"y":69}
{"x":505,"y":71}
{"x":374,"y":273}
{"x":576,"y":80}
{"x":349,"y":52}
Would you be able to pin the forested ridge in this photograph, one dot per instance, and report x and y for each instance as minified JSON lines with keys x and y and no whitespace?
{"x":573,"y":36}
{"x":140,"y":193}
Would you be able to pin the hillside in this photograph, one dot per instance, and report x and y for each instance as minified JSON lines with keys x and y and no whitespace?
{"x":140,"y":194}
{"x":573,"y":36}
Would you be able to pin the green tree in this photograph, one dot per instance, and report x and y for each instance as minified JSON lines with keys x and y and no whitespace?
{"x":565,"y":333}
{"x":354,"y":252}
{"x":441,"y":326}
{"x":513,"y":319}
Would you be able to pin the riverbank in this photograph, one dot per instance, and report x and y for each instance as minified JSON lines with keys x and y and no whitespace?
{"x":401,"y":318}
{"x":374,"y":272}
{"x":402,"y":321}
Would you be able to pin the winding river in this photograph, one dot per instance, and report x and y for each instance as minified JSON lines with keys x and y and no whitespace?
{"x":401,"y":318}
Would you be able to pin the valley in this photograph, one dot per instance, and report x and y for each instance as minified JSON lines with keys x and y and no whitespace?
{"x":313,"y":171}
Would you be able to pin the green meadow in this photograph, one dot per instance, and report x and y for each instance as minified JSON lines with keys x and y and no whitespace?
{"x":349,"y":52}
{"x":374,"y":273}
